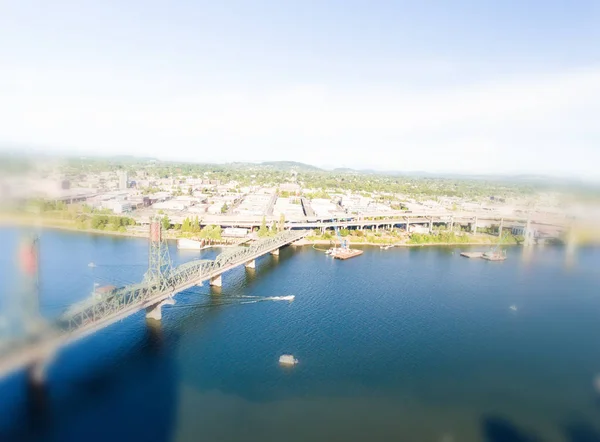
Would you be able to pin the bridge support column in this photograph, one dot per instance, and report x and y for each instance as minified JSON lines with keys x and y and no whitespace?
{"x":249,"y":265}
{"x":155,"y":311}
{"x":474,"y":226}
{"x":528,"y":234}
{"x":451,"y":223}
{"x":570,"y":248}
{"x":37,"y":393}
{"x":407,"y":225}
{"x":500,"y":227}
{"x":36,"y":374}
{"x":216,"y":281}
{"x":430,"y":225}
{"x":275,"y":252}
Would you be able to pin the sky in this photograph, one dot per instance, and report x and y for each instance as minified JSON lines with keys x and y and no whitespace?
{"x":477,"y":86}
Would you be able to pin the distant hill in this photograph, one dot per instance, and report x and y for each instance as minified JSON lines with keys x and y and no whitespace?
{"x":130,"y":158}
{"x":346,"y":170}
{"x":285,"y":165}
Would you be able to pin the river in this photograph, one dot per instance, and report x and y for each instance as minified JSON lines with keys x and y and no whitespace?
{"x":406,"y":344}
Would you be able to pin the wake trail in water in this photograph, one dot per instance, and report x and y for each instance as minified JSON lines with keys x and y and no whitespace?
{"x":289,"y":298}
{"x":237,"y":300}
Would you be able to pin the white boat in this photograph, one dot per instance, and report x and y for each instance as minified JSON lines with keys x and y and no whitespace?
{"x":188,"y":244}
{"x":91,"y":264}
{"x":282,"y":298}
{"x":513,"y":308}
{"x":287,"y":360}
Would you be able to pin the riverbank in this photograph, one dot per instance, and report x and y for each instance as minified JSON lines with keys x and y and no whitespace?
{"x":9,"y":220}
{"x":20,"y":220}
{"x":70,"y":225}
{"x":61,"y":224}
{"x":305,"y":242}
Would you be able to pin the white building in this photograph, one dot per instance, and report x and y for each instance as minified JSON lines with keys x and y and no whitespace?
{"x":171,"y":205}
{"x":356,"y":204}
{"x":324,"y":208}
{"x":234,"y":232}
{"x":418,"y":228}
{"x":122,"y":174}
{"x":290,"y":208}
{"x":255,"y":204}
{"x":215,"y":209}
{"x":117,"y":206}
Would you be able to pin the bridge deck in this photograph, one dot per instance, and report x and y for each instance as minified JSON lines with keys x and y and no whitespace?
{"x":89,"y":316}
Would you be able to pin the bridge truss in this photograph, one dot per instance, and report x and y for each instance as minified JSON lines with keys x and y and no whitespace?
{"x":105,"y":305}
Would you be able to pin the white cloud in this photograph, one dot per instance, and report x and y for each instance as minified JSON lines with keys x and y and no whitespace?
{"x":472,"y":127}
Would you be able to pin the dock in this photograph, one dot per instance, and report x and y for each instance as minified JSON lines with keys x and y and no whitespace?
{"x":489,"y":256}
{"x":347,"y":253}
{"x":494,"y":256}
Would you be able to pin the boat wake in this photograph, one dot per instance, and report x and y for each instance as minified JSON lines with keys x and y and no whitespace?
{"x":289,"y":298}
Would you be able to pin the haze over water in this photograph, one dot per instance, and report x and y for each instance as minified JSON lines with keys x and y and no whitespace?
{"x":411,"y":344}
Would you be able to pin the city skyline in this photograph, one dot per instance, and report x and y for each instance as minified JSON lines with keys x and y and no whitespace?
{"x":463,"y":88}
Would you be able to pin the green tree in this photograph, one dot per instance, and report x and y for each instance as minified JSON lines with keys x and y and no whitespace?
{"x":281,"y":222}
{"x":186,"y":226}
{"x":263,"y":231}
{"x":211,"y":232}
{"x":99,"y":222}
{"x":225,"y":208}
{"x":115,"y":223}
{"x":166,"y":222}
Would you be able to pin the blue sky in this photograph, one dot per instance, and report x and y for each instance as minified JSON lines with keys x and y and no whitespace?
{"x":462,"y":86}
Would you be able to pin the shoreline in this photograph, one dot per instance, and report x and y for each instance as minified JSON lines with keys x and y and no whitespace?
{"x":27,"y":222}
{"x":373,"y":244}
{"x":42,"y":224}
{"x":21,"y":222}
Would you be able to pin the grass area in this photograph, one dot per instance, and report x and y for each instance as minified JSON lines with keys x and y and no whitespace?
{"x":442,"y":237}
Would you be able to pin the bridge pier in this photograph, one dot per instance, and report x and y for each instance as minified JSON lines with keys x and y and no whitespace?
{"x":37,"y":393}
{"x":500,"y":227}
{"x":570,"y":247}
{"x":528,"y":235}
{"x":155,"y":311}
{"x":275,"y":252}
{"x":36,"y":374}
{"x":216,"y":281}
{"x":249,"y":265}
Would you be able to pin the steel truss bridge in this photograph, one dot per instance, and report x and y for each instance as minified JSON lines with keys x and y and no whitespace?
{"x":42,"y":342}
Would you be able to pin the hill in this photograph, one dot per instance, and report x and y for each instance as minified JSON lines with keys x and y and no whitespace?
{"x":286,"y":165}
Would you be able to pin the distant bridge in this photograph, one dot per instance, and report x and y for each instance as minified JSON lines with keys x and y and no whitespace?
{"x":36,"y":349}
{"x":385,"y":220}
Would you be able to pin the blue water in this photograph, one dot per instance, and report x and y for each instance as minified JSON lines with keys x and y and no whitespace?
{"x":404,"y":344}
